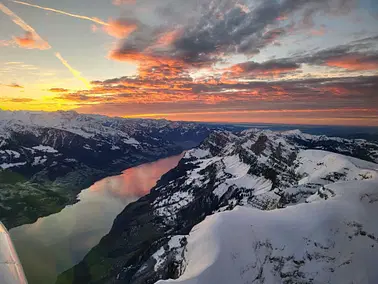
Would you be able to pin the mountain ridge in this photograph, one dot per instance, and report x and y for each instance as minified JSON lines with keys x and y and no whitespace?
{"x":47,"y":158}
{"x":261,"y":169}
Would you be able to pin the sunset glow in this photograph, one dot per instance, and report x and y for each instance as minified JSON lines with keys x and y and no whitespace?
{"x":300,"y":62}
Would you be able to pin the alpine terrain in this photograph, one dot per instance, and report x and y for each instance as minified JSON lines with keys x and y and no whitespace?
{"x":251,"y":207}
{"x":46,"y":159}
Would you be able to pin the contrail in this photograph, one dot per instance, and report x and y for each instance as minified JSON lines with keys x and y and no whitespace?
{"x":18,"y":21}
{"x":74,"y":72}
{"x":96,"y":20}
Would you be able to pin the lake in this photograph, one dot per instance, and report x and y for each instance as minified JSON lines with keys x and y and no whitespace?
{"x":57,"y":242}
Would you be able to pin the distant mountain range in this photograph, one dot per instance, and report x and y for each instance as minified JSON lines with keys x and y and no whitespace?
{"x":255,"y":206}
{"x":46,"y":159}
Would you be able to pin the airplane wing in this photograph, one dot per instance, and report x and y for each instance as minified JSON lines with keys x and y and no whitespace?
{"x":11,"y":271}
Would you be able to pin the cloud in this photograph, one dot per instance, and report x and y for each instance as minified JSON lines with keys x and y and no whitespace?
{"x":339,"y":92}
{"x":14,"y":63}
{"x":28,"y":41}
{"x":31,"y":34}
{"x":354,"y":62}
{"x":120,"y":28}
{"x":360,"y":55}
{"x":318,"y":31}
{"x":240,"y":32}
{"x":58,"y":90}
{"x":20,"y":100}
{"x":14,"y":85}
{"x":268,"y":68}
{"x":182,"y":46}
{"x":122,"y":2}
{"x":92,"y":19}
{"x":74,"y":72}
{"x":31,"y":39}
{"x":208,"y":33}
{"x":6,"y":42}
{"x":167,"y":38}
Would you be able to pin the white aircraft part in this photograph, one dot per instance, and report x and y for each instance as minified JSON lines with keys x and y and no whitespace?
{"x":11,"y":271}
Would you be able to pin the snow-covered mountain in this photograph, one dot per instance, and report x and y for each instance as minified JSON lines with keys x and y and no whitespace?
{"x":250,"y":207}
{"x":333,"y":241}
{"x":47,"y":158}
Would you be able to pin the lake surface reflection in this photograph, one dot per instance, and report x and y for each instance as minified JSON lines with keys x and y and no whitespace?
{"x":57,"y":242}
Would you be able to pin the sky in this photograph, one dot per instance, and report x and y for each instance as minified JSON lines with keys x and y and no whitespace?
{"x":262,"y":61}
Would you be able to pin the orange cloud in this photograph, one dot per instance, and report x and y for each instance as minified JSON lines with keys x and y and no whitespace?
{"x":120,"y":28}
{"x":354,"y":62}
{"x":335,"y":90}
{"x":30,"y":42}
{"x":32,"y":38}
{"x":131,"y":56}
{"x":121,"y":2}
{"x":142,"y":96}
{"x":269,"y":68}
{"x":58,"y":90}
{"x":339,"y":116}
{"x":153,"y":67}
{"x":169,"y":37}
{"x":318,"y":32}
{"x":94,"y":28}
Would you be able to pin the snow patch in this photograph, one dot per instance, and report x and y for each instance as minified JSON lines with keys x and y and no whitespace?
{"x":170,"y":205}
{"x":11,"y":153}
{"x":5,"y":166}
{"x":131,"y":141}
{"x":87,"y":147}
{"x":46,"y":149}
{"x":39,"y":161}
{"x":197,"y":153}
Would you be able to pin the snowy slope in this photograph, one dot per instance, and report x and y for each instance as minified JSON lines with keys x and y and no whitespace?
{"x":246,"y":245}
{"x":328,"y":241}
{"x":274,"y":176}
{"x":261,"y":169}
{"x":26,"y":136}
{"x":351,"y":147}
{"x":46,"y":158}
{"x":318,"y":166}
{"x":93,"y":126}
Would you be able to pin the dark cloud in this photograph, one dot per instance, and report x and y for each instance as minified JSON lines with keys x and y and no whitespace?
{"x":361,"y":54}
{"x":21,"y":100}
{"x":58,"y":90}
{"x":212,"y":29}
{"x":17,"y":100}
{"x":268,"y":68}
{"x":15,"y":85}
